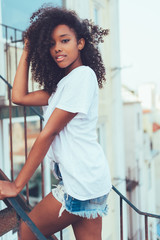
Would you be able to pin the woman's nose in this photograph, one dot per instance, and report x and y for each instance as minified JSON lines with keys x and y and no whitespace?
{"x":57,"y":48}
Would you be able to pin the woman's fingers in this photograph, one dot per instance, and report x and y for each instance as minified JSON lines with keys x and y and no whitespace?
{"x":7,"y":189}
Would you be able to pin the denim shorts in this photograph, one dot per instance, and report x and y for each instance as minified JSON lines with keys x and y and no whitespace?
{"x":91,"y":208}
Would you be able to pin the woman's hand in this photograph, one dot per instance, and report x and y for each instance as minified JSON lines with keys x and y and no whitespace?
{"x":25,"y":44}
{"x":7,"y":189}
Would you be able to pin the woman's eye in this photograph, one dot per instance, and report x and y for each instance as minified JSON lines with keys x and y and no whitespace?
{"x":65,"y":40}
{"x":52,"y":44}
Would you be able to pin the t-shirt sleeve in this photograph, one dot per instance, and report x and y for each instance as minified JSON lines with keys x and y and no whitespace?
{"x":78,"y":92}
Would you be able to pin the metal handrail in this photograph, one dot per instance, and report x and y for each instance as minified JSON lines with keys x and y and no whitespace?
{"x":18,"y":204}
{"x":145,"y":214}
{"x":133,"y":206}
{"x":33,"y":109}
{"x":13,"y":202}
{"x":13,"y":28}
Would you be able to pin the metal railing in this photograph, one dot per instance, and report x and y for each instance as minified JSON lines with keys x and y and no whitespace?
{"x":16,"y":203}
{"x":25,"y":136}
{"x":145,"y":214}
{"x":11,"y":37}
{"x":13,"y":201}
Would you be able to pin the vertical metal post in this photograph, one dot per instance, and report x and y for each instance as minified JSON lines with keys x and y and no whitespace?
{"x":10,"y":133}
{"x":25,"y":142}
{"x":121,"y":218}
{"x":6,"y":36}
{"x":61,"y":235}
{"x":146,"y":227}
{"x":15,"y":36}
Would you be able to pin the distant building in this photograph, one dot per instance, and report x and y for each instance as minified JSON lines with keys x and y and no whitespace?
{"x":140,"y":166}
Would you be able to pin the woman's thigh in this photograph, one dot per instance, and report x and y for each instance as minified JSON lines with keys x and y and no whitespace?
{"x":88,"y":229}
{"x":45,"y":216}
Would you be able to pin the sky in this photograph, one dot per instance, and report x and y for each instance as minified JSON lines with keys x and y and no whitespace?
{"x":16,"y":13}
{"x":140,"y":42}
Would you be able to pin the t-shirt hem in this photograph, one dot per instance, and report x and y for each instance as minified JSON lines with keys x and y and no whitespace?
{"x":74,"y":195}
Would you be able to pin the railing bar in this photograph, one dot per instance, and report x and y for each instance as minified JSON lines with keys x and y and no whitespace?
{"x":6,"y":36}
{"x":26,"y":219}
{"x":121,"y":217}
{"x":32,"y":108}
{"x":61,"y":235}
{"x":25,"y":142}
{"x":146,"y":227}
{"x":126,"y":200}
{"x":35,"y":111}
{"x":9,"y":85}
{"x":132,"y":206}
{"x":20,"y":40}
{"x":15,"y":36}
{"x":10,"y":135}
{"x":10,"y":27}
{"x":41,"y":125}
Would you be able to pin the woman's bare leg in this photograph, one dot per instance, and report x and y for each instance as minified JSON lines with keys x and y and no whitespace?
{"x":45,"y":216}
{"x":88,"y":229}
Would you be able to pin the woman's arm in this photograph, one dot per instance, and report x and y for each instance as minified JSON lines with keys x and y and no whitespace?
{"x":55,"y":124}
{"x":20,"y":94}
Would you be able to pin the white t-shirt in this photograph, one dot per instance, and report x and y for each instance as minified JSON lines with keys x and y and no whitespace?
{"x":81,"y":160}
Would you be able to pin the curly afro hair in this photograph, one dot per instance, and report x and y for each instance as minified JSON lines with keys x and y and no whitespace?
{"x":42,"y":22}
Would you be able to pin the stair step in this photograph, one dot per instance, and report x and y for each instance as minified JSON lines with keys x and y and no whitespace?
{"x":9,"y":220}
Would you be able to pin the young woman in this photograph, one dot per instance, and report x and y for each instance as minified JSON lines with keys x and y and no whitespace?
{"x":63,"y":52}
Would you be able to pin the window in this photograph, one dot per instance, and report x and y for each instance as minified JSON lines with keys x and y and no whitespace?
{"x":17,"y":13}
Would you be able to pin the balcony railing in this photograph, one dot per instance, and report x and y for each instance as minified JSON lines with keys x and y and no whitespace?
{"x":11,"y":37}
{"x":145,"y":214}
{"x":13,"y":201}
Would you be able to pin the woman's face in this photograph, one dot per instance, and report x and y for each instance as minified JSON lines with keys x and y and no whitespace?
{"x":65,"y":49}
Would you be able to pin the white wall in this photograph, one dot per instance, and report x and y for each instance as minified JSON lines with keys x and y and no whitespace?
{"x":81,"y":7}
{"x":115,"y":117}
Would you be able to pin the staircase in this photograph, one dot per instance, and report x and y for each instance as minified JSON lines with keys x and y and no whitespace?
{"x":17,"y":209}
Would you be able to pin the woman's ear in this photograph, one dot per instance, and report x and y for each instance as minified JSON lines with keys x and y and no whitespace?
{"x":81,"y":43}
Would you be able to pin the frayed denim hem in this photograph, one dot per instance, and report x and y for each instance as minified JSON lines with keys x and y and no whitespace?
{"x":89,"y":209}
{"x":92,"y":214}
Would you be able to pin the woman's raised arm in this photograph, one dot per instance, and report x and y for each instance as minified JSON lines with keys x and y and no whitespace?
{"x":55,"y":124}
{"x":20,"y":94}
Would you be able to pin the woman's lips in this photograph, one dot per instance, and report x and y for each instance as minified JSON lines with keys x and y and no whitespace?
{"x":60,"y":58}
